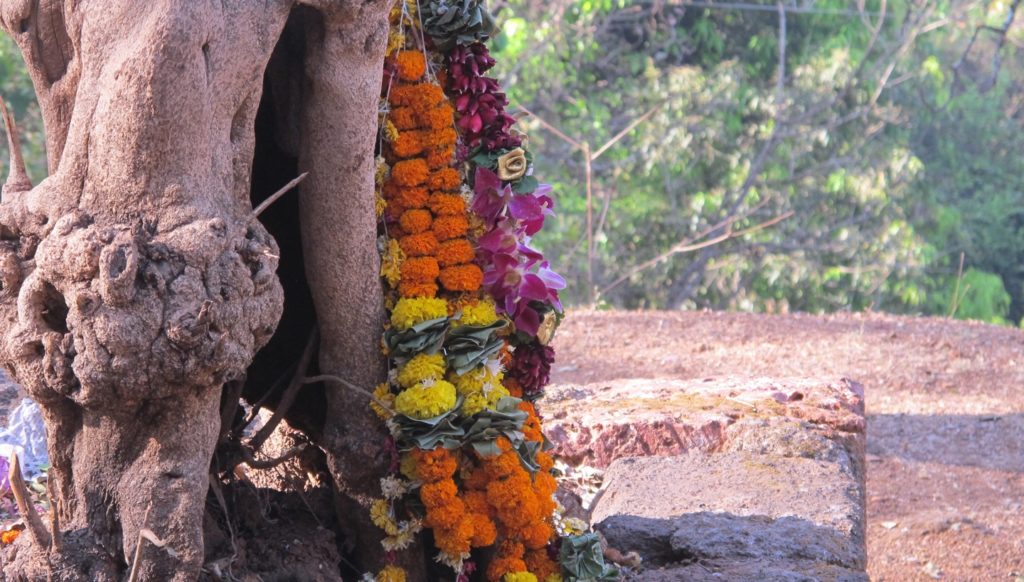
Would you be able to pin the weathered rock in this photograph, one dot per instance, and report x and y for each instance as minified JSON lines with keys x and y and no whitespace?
{"x":761,"y":570}
{"x":597,"y":423}
{"x":742,"y":514}
{"x":723,"y":479}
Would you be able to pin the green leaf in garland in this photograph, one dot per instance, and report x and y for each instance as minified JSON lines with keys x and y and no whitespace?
{"x":423,"y":338}
{"x":428,"y":433}
{"x":506,"y":420}
{"x":452,"y":22}
{"x":525,"y":185}
{"x":582,"y":559}
{"x":468,"y":346}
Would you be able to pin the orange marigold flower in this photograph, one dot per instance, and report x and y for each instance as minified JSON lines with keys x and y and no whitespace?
{"x":408,"y":144}
{"x":419,"y":96}
{"x":445,"y":179}
{"x":513,"y":387}
{"x":411,"y":65}
{"x":545,"y":461}
{"x":545,"y":484}
{"x":443,"y":204}
{"x":446,"y":516}
{"x":438,"y":118}
{"x":442,"y":137}
{"x":416,"y":289}
{"x":538,"y":562}
{"x":449,"y":227}
{"x":509,"y":558}
{"x":455,"y":541}
{"x":418,"y":245}
{"x":404,"y":118}
{"x":420,"y":269}
{"x":410,"y":172}
{"x":434,"y":465}
{"x":411,"y":197}
{"x":503,"y":465}
{"x":520,"y":515}
{"x":507,"y":493}
{"x":438,"y":158}
{"x":476,"y":501}
{"x":462,"y":278}
{"x":439,"y":493}
{"x":484,"y":530}
{"x":536,"y":535}
{"x":415,"y":221}
{"x":9,"y":536}
{"x":455,"y":252}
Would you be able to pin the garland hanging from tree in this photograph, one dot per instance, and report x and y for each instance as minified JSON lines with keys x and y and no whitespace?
{"x":472,"y":309}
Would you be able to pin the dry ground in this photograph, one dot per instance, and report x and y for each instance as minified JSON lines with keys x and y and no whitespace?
{"x":945,"y":404}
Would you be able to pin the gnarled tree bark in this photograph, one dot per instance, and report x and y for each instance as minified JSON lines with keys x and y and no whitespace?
{"x":135,"y":281}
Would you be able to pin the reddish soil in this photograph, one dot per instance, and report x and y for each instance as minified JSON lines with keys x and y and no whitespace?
{"x":945,"y":402}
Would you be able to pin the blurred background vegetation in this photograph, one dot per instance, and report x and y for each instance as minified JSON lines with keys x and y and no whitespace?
{"x":806,"y":155}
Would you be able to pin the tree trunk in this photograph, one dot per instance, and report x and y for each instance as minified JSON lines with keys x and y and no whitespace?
{"x":137,"y":282}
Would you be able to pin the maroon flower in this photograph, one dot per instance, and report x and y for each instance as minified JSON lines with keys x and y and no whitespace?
{"x":479,"y":101}
{"x":531,"y":367}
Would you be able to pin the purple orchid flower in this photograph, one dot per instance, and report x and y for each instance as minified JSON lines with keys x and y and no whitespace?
{"x":492,"y":197}
{"x":514,"y":284}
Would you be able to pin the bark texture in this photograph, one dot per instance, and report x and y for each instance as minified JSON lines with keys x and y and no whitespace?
{"x":135,"y":280}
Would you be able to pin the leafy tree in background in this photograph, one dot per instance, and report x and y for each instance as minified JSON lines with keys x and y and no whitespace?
{"x":841,"y":145}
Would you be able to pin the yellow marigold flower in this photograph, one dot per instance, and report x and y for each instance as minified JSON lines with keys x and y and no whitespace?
{"x":426,"y":401}
{"x":391,"y":574}
{"x":379,"y":204}
{"x":407,"y":466}
{"x":380,"y":514}
{"x":390,"y":132}
{"x":519,"y":577}
{"x":478,"y":402}
{"x":391,"y":263}
{"x":420,"y":368}
{"x":479,"y":313}
{"x":412,"y":310}
{"x":381,"y":171}
{"x":396,"y":39}
{"x":478,"y":379}
{"x":481,"y":389}
{"x":383,"y":393}
{"x":553,"y":578}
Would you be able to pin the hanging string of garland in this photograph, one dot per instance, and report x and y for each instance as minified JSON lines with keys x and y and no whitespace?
{"x":472,"y":309}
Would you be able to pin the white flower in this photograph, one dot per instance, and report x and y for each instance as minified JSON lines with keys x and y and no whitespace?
{"x":392,"y":487}
{"x":487,"y":388}
{"x":493,"y":366}
{"x":455,"y":563}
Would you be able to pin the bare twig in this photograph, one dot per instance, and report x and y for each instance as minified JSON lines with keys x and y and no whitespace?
{"x":137,"y":560}
{"x":632,"y":125}
{"x":954,"y":302}
{"x":347,"y":384}
{"x":276,"y":195}
{"x":290,"y":393}
{"x":36,"y":528}
{"x":227,"y":414}
{"x":687,"y":247}
{"x":51,"y":492}
{"x":271,"y":463}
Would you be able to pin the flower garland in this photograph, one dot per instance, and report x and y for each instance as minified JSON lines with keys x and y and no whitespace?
{"x":472,"y":308}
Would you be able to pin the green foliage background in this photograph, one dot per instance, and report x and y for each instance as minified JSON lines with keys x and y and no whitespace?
{"x":887,"y":153}
{"x":892,"y":159}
